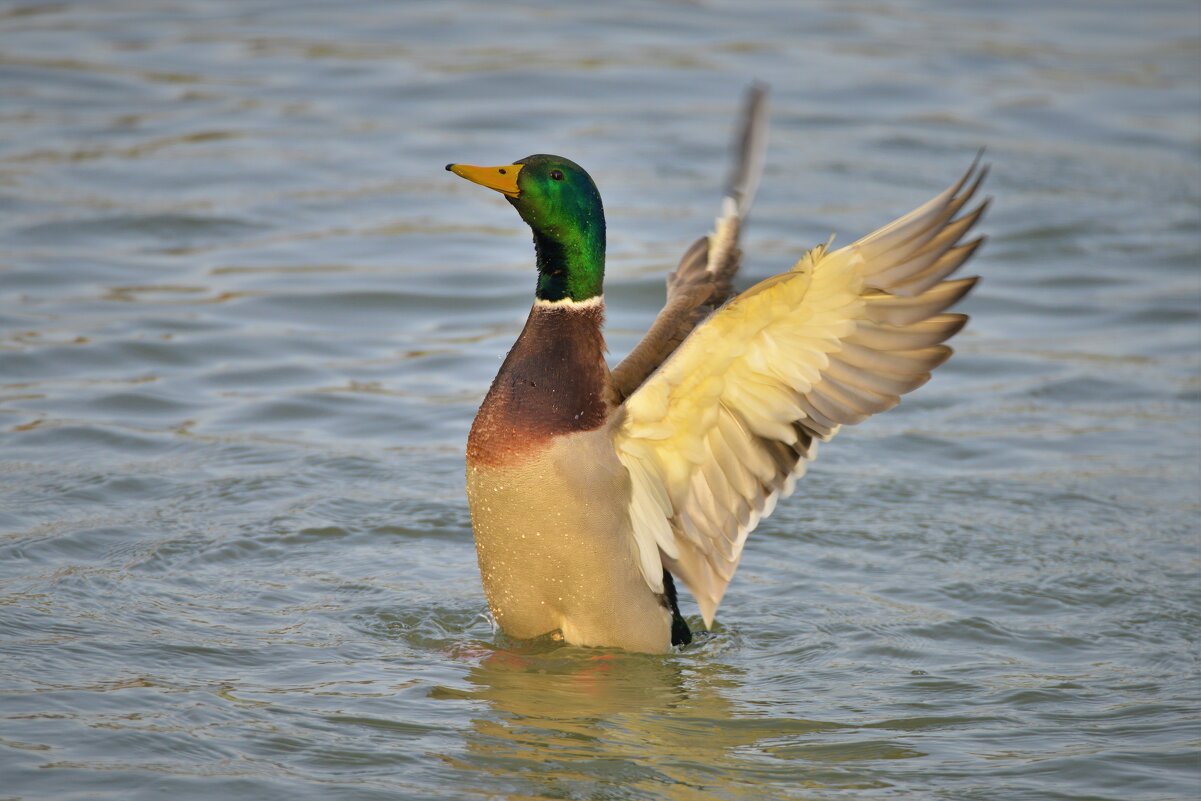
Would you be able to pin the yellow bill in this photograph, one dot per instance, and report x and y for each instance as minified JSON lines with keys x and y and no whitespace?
{"x":503,"y":179}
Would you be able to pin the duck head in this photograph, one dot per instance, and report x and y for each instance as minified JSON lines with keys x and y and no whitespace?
{"x":561,"y":204}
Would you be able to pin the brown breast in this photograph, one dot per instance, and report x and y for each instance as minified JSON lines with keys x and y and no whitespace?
{"x":554,"y":381}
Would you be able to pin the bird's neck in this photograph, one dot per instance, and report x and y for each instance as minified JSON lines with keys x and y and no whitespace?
{"x":553,"y":382}
{"x":571,"y":260}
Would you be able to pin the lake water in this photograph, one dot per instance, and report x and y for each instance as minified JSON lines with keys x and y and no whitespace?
{"x":246,"y":319}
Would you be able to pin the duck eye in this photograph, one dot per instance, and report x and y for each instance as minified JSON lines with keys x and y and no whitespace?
{"x":556,"y":175}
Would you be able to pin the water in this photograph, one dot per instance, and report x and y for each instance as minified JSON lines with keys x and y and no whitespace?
{"x":246,"y":318}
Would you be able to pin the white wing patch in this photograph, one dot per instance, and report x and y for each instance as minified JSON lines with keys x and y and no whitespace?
{"x":729,"y":422}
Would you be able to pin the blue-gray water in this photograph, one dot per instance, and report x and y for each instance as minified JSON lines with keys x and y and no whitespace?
{"x":246,"y":318}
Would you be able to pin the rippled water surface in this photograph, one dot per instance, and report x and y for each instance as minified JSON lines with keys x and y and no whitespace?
{"x":246,"y":319}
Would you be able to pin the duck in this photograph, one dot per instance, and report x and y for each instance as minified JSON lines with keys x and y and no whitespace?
{"x":593,"y":490}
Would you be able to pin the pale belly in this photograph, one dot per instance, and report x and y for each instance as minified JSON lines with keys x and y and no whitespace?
{"x":555,"y":552}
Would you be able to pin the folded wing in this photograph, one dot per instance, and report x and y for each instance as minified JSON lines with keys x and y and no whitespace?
{"x":728,"y":423}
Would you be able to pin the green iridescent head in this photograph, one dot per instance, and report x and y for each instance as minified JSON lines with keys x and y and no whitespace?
{"x":559,"y":202}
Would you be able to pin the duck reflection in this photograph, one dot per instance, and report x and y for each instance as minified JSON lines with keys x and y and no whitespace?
{"x":570,"y":722}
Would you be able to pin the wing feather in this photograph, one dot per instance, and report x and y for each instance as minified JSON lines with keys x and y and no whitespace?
{"x":883,"y":307}
{"x":703,"y":280}
{"x":725,"y":426}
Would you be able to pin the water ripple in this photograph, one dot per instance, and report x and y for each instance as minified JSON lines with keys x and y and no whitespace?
{"x":245,"y":321}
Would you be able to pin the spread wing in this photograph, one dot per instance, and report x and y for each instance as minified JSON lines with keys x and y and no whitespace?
{"x":704,"y":278}
{"x":729,"y":422}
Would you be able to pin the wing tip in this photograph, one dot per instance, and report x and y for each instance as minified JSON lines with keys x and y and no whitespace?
{"x":959,"y":288}
{"x":708,"y":611}
{"x":955,"y":323}
{"x":750,"y":147}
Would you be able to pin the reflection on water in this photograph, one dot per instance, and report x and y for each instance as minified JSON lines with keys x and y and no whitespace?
{"x":246,"y":319}
{"x":562,"y":721}
{"x":568,"y":721}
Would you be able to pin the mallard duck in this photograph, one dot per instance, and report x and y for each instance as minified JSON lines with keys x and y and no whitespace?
{"x":592,"y":490}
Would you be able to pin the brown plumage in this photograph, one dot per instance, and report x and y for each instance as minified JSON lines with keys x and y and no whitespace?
{"x":704,"y":278}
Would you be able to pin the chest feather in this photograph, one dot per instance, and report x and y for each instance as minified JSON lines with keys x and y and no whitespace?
{"x":553,"y":382}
